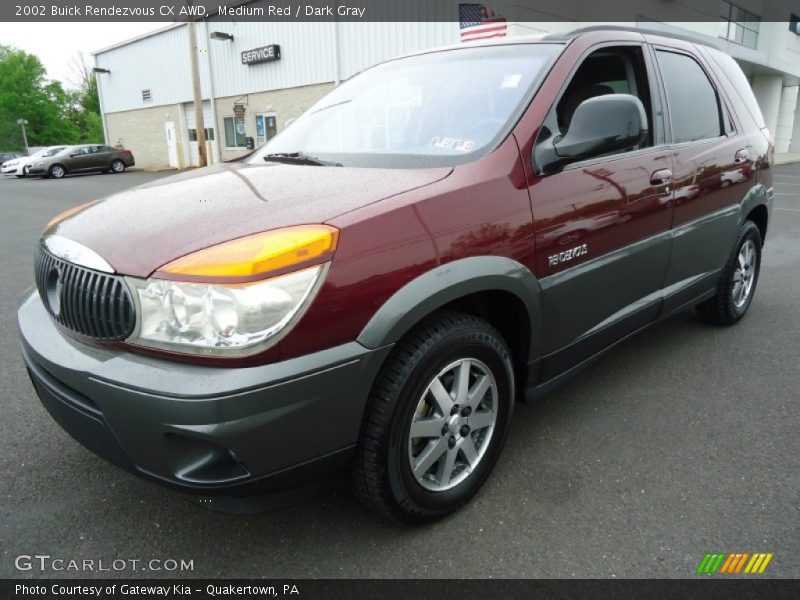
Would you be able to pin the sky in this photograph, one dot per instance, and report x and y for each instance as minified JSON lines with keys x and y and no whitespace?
{"x":56,"y":43}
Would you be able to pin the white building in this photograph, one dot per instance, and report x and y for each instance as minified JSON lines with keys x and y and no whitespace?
{"x":256,"y":76}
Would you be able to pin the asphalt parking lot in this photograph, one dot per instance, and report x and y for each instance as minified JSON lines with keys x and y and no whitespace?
{"x":679,"y":442}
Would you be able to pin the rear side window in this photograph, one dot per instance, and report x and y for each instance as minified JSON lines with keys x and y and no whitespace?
{"x":691,"y":99}
{"x":738,"y":80}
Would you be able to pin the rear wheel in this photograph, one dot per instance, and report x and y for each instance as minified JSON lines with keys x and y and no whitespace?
{"x":737,"y":285}
{"x":437,"y":419}
{"x":117,"y":166}
{"x":56,"y":171}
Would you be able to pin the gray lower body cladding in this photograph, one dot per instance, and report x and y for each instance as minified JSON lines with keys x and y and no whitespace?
{"x":203,"y":430}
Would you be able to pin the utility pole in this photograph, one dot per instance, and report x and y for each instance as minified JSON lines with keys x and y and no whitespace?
{"x":22,"y":123}
{"x":199,"y":117}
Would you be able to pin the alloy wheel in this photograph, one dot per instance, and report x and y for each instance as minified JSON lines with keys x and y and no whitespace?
{"x":744,"y":274}
{"x":453,"y":424}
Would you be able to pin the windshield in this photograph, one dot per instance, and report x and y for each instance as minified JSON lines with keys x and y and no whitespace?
{"x":437,"y":109}
{"x":53,"y":151}
{"x":65,"y":151}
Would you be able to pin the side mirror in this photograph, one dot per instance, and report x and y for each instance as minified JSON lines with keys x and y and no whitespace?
{"x":600,"y":125}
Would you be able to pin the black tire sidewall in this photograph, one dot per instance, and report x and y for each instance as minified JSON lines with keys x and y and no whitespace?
{"x":465,"y":343}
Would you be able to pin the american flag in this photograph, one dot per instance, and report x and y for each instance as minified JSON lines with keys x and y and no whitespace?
{"x":478,"y":22}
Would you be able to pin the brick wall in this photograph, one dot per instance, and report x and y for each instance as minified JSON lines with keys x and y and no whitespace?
{"x":142,"y":132}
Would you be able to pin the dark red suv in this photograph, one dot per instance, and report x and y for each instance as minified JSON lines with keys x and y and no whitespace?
{"x":438,"y":237}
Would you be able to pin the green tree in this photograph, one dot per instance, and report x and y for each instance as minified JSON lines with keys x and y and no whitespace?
{"x":85,"y":102}
{"x":52,"y":112}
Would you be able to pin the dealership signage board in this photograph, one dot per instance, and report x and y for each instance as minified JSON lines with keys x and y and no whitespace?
{"x":263,"y":54}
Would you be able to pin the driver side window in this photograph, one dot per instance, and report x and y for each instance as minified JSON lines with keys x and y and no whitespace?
{"x":612,"y":70}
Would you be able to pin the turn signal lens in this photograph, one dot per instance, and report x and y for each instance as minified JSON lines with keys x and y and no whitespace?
{"x":258,"y":254}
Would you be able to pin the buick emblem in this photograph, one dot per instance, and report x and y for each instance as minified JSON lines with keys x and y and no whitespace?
{"x":53,"y":287}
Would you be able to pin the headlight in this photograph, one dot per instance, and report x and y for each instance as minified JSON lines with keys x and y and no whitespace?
{"x":229,"y":313}
{"x":202,"y":318}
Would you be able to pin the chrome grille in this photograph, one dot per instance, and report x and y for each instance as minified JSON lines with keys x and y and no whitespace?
{"x":91,"y":303}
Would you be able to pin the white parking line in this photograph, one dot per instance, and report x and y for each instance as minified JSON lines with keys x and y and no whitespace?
{"x":797,"y":210}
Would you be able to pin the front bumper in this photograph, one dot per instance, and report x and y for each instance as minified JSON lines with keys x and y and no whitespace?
{"x":203,"y":430}
{"x":37,"y":170}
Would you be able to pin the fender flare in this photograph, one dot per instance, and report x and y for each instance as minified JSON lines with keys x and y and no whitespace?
{"x":755,"y":196}
{"x":447,"y":283}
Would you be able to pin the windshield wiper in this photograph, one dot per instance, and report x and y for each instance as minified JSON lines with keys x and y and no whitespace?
{"x":299,"y":158}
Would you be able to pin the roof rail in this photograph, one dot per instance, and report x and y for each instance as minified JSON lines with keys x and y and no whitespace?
{"x":686,"y":37}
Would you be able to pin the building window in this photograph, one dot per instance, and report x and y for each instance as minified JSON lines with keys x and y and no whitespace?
{"x":738,"y":25}
{"x":146,"y":96}
{"x":209,"y":134}
{"x":234,"y":134}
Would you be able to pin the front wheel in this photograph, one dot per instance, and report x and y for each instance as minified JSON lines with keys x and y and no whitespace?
{"x":737,"y":285}
{"x":57,"y":172}
{"x":437,"y":419}
{"x":117,"y":166}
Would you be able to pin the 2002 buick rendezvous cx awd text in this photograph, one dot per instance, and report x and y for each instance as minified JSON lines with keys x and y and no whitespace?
{"x":372,"y":290}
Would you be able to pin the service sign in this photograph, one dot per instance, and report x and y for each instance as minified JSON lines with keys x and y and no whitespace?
{"x":260,"y":55}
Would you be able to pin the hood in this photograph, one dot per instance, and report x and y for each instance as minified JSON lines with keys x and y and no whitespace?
{"x":141,"y":229}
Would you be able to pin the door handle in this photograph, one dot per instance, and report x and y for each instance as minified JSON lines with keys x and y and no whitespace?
{"x":661,"y":177}
{"x":741,"y":156}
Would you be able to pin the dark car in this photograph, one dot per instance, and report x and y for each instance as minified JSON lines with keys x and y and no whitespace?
{"x":79,"y":159}
{"x":440,"y":236}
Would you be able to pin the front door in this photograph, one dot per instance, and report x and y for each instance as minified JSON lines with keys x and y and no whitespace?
{"x":101,"y":157}
{"x":266,"y":128}
{"x":79,"y":160}
{"x":172,"y":144}
{"x":602,"y":224}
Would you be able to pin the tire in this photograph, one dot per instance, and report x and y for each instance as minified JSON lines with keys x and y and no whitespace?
{"x":731,"y":301}
{"x":438,"y":350}
{"x":117,"y":166}
{"x":56,"y":171}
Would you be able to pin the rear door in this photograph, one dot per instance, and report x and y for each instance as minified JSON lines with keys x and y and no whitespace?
{"x":602,"y":225}
{"x":101,"y":157}
{"x":712,"y":171}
